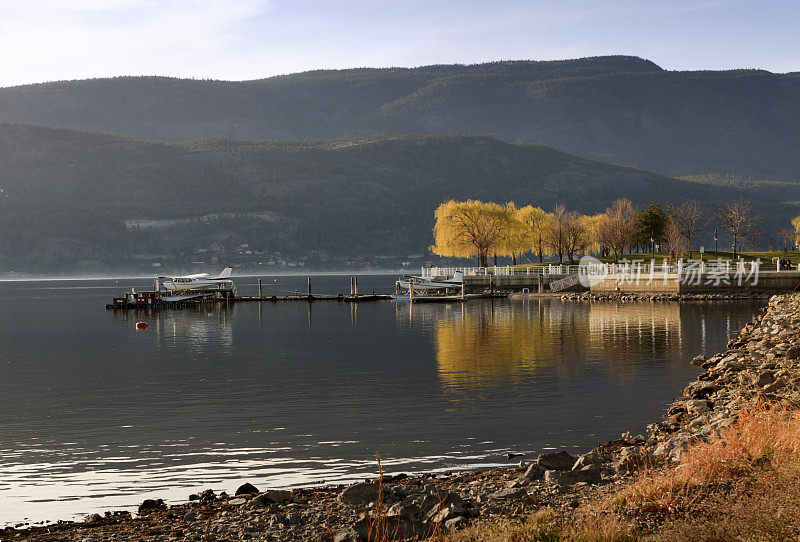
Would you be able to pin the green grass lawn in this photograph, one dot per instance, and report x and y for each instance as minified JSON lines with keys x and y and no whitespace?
{"x":765,"y":257}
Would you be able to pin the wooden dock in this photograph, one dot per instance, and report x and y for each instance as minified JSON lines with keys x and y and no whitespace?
{"x":187,"y":304}
{"x":450,"y":298}
{"x":344,"y":298}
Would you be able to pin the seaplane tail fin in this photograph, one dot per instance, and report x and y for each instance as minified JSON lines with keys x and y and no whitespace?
{"x":226,"y":273}
{"x":458,"y":276}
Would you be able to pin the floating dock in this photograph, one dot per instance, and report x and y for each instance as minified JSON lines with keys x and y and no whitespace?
{"x":175,"y":302}
{"x":184,"y":299}
{"x":449,"y":298}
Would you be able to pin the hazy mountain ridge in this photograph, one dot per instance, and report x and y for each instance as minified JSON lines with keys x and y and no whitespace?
{"x":67,"y":194}
{"x":620,"y":109}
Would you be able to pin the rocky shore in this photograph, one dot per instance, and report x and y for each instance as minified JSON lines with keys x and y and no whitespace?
{"x":761,"y":364}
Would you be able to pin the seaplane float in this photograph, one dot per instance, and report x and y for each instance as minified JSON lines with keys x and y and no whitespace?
{"x":428,"y":285}
{"x":195,"y":285}
{"x":186,"y":288}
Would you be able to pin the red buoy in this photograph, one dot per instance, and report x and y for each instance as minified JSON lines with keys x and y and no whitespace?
{"x":141,"y":325}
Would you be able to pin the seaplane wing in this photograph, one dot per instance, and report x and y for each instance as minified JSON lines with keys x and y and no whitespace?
{"x":424,"y":283}
{"x":198,"y":281}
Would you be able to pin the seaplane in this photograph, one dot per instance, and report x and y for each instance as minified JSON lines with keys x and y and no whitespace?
{"x":406,"y":282}
{"x":199,"y":281}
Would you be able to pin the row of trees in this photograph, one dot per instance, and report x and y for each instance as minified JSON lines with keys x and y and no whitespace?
{"x":471,"y":228}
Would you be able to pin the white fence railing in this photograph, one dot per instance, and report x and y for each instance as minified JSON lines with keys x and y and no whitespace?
{"x":636,"y":268}
{"x":432,"y":272}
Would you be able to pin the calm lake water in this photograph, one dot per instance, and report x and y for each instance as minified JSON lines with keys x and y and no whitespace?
{"x":95,"y":415}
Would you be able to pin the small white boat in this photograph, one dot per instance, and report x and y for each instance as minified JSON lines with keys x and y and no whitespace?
{"x":407,"y":282}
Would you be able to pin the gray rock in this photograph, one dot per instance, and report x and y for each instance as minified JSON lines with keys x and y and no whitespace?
{"x":672,"y":448}
{"x":556,"y":461}
{"x":510,"y":493}
{"x":699,"y":390}
{"x":351,"y":533}
{"x":589,"y":474}
{"x":698,"y":360}
{"x":588,"y":459}
{"x":246,"y":489}
{"x":150,"y":505}
{"x":697,"y":406}
{"x":410,"y":511}
{"x":447,"y":506}
{"x":93,"y":518}
{"x":764,"y":379}
{"x":455,"y":523}
{"x":631,"y":459}
{"x":271,"y":496}
{"x":360,"y":494}
{"x":534,"y":472}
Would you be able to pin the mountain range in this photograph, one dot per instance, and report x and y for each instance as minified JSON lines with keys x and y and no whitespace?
{"x":353,"y":162}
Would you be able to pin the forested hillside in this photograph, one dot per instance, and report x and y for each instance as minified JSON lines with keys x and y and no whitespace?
{"x":66,"y":195}
{"x":622,"y":110}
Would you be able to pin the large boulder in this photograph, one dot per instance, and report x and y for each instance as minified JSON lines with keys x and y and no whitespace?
{"x":588,"y":459}
{"x":697,"y":406}
{"x":151,"y":505}
{"x":361,"y":494}
{"x":272,"y":496}
{"x":246,"y":489}
{"x":589,"y":474}
{"x":534,"y":472}
{"x":556,"y":461}
{"x":509,"y":494}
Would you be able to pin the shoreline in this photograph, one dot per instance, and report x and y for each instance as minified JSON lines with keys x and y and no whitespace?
{"x":754,"y":366}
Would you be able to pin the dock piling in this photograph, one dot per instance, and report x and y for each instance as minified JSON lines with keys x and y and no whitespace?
{"x":309,"y":286}
{"x":259,"y":288}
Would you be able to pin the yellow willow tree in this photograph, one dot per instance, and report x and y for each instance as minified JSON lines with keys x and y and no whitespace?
{"x":464,"y":229}
{"x":534,"y":221}
{"x":515,"y":236}
{"x":594,"y":225}
{"x":796,"y":226}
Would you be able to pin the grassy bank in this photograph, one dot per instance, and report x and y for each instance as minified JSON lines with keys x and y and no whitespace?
{"x":744,"y":484}
{"x":661,"y":257}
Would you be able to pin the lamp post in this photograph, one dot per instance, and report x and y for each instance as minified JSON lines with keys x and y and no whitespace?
{"x":715,"y":242}
{"x":652,"y":247}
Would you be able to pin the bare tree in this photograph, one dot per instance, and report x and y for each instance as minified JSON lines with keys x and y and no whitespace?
{"x":787,"y":236}
{"x":674,"y":238}
{"x":577,"y":234}
{"x":690,"y":219}
{"x":557,"y":231}
{"x":741,"y":221}
{"x":618,"y":228}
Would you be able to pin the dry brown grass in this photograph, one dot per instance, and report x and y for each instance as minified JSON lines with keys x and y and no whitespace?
{"x":540,"y":527}
{"x":743,"y":484}
{"x":761,"y":439}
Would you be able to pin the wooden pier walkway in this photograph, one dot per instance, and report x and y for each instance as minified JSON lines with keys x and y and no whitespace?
{"x":317,"y":297}
{"x":450,"y":298}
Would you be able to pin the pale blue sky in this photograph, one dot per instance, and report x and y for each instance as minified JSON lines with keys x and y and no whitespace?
{"x":45,"y":40}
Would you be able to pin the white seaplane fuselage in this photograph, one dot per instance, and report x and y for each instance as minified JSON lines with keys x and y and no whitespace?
{"x":407,"y":282}
{"x":200,"y":281}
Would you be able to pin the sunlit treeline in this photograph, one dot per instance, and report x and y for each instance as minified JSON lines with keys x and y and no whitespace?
{"x":471,"y":228}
